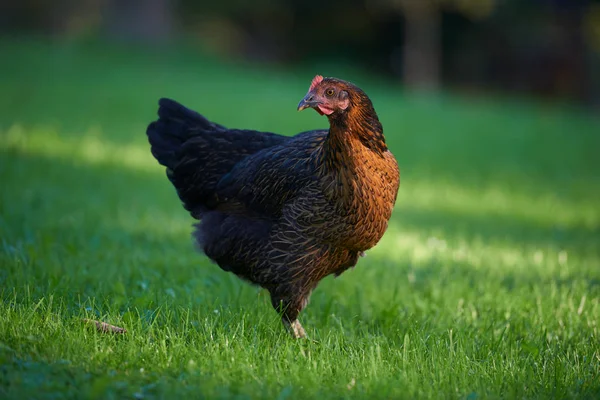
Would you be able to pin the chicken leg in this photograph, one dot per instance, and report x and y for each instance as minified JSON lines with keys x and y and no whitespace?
{"x":294,"y":327}
{"x":289,"y":310}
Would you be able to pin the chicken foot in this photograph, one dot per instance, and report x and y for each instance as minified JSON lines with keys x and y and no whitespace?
{"x":289,"y":309}
{"x":294,"y":327}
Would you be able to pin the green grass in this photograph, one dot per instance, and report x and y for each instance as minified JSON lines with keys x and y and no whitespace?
{"x":487,"y":284}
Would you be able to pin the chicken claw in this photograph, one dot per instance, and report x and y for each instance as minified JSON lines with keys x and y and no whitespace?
{"x":295,"y":328}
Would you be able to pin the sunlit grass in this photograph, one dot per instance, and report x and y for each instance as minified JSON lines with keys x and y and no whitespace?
{"x":486,"y":285}
{"x":424,"y":193}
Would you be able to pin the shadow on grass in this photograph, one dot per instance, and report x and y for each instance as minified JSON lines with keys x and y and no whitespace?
{"x":491,"y":229}
{"x":139,"y":208}
{"x":68,"y":218}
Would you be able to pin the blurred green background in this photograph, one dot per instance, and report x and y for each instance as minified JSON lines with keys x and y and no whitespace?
{"x":548,"y":48}
{"x":487,"y":283}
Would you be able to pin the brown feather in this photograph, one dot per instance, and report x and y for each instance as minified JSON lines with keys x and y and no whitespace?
{"x":283,"y":213}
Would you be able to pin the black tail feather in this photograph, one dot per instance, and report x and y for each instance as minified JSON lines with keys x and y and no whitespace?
{"x":175,"y":125}
{"x":198,"y":153}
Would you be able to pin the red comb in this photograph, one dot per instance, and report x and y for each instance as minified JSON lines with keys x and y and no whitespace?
{"x":316,"y":80}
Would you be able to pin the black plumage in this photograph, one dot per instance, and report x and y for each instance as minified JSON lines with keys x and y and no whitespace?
{"x":283,"y":212}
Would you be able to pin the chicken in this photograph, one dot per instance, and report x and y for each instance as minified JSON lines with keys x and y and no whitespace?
{"x":283,"y":212}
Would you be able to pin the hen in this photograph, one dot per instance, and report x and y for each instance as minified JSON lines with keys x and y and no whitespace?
{"x":283,"y":212}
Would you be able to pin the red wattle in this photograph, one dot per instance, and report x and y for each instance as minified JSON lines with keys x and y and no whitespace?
{"x":324,"y":110}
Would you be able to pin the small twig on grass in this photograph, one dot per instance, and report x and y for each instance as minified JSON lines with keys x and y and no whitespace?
{"x":104,"y":327}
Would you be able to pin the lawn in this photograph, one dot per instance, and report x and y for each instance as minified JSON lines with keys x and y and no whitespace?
{"x":486,"y":285}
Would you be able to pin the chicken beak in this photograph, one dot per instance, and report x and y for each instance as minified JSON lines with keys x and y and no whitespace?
{"x":306,"y":102}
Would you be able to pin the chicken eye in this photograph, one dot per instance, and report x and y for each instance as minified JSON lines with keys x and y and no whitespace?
{"x":329,"y":92}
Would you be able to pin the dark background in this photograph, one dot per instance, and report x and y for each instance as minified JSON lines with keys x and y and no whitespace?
{"x":546,"y":48}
